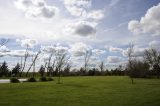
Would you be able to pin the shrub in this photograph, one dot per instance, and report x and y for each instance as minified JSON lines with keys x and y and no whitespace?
{"x":31,"y":79}
{"x":14,"y":80}
{"x":43,"y":79}
{"x":50,"y":79}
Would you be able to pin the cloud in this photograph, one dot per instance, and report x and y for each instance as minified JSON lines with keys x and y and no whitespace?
{"x":96,"y":15}
{"x":98,"y":51}
{"x":114,"y":59}
{"x":48,"y":49}
{"x":114,"y":2}
{"x":81,"y":28}
{"x":137,"y":52}
{"x":115,"y":49}
{"x":79,"y":49}
{"x":16,"y":53}
{"x":2,"y":54}
{"x":4,"y":49}
{"x":61,"y":49}
{"x":77,"y":7}
{"x":149,"y":24}
{"x":54,"y":49}
{"x":30,"y":43}
{"x":155,"y":44}
{"x":36,"y":9}
{"x":20,"y":53}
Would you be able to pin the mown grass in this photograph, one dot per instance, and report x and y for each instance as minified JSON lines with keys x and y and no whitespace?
{"x":83,"y":91}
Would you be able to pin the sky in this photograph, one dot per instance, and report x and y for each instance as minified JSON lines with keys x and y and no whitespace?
{"x":104,"y":27}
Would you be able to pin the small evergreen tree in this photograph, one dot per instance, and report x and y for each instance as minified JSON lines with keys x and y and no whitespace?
{"x":42,"y":70}
{"x":4,"y":71}
{"x":16,"y":70}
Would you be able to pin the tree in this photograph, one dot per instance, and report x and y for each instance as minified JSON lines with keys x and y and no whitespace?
{"x":25,"y":59}
{"x":130,"y":61}
{"x":86,"y":59}
{"x":152,"y":57}
{"x":33,"y":64}
{"x":140,"y":69}
{"x":4,"y":71}
{"x":42,"y":71}
{"x":49,"y":68}
{"x":53,"y":68}
{"x":61,"y":61}
{"x":67,"y":69}
{"x":16,"y":70}
{"x":101,"y":66}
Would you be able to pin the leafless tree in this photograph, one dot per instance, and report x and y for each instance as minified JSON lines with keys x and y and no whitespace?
{"x":33,"y":64}
{"x":101,"y":66}
{"x":86,"y":59}
{"x":130,"y":60}
{"x":53,"y":67}
{"x":67,"y":69}
{"x":26,"y":55}
{"x":152,"y":57}
{"x":49,"y":64}
{"x":61,"y":61}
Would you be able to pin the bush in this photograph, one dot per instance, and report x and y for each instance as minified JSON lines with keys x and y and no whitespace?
{"x":43,"y":79}
{"x":31,"y":79}
{"x":14,"y":80}
{"x":50,"y":79}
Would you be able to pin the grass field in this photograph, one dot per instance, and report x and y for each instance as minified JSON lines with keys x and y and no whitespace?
{"x":83,"y":91}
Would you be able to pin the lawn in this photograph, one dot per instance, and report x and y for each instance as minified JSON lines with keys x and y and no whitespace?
{"x":83,"y":91}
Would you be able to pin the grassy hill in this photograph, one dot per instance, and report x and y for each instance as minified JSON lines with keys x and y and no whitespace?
{"x":83,"y":91}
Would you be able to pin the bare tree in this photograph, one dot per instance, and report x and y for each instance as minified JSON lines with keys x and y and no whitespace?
{"x":61,"y":61}
{"x":33,"y":64}
{"x":67,"y":69}
{"x":101,"y":66}
{"x":86,"y":59}
{"x":152,"y":57}
{"x":49,"y":64}
{"x":130,"y":60}
{"x":25,"y":59}
{"x":53,"y":67}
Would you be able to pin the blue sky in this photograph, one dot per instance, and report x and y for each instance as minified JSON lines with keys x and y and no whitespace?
{"x":105,"y":27}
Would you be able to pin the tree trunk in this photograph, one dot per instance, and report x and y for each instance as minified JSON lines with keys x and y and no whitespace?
{"x":132,"y":80}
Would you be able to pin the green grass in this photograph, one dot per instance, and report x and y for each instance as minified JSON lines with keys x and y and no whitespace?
{"x":83,"y":91}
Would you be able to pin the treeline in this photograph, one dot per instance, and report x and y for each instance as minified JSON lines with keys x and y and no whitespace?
{"x":145,"y":66}
{"x":67,"y":71}
{"x":139,"y":70}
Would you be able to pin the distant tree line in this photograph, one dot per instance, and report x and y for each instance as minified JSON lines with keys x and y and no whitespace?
{"x":146,"y":67}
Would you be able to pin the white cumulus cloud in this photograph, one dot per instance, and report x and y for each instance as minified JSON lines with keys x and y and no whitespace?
{"x":4,"y":49}
{"x":149,"y":24}
{"x":36,"y":9}
{"x":96,"y":14}
{"x":98,"y":51}
{"x":79,"y":49}
{"x":77,"y":7}
{"x":30,"y":43}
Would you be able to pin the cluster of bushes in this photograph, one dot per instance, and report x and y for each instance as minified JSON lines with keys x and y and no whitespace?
{"x":32,"y":79}
{"x":41,"y":79}
{"x":14,"y":80}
